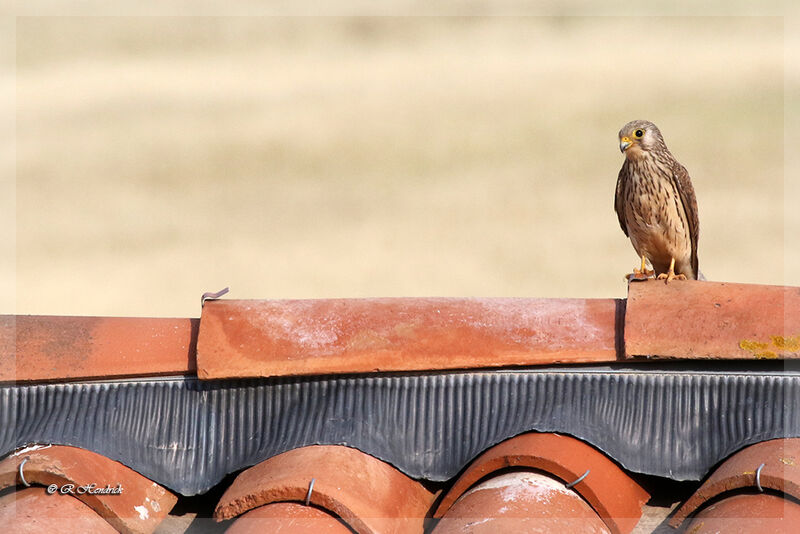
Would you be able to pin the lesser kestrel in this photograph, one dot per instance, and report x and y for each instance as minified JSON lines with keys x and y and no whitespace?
{"x":656,"y":205}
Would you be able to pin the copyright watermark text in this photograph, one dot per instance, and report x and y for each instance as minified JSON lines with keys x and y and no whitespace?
{"x":88,"y":489}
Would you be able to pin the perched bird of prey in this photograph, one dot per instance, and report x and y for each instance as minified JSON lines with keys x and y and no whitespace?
{"x":656,"y":205}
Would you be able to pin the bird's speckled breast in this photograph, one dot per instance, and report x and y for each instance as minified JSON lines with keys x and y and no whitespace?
{"x":654,"y":215}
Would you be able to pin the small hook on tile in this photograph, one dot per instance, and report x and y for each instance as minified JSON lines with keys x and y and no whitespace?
{"x":310,"y":489}
{"x":21,"y":475}
{"x":212,"y":296}
{"x":758,"y":478}
{"x":578,"y":479}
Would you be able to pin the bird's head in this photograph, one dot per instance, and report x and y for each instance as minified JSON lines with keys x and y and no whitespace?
{"x":639,"y":136}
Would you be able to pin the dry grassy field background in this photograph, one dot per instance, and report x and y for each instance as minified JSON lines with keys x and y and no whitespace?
{"x":158,"y":158}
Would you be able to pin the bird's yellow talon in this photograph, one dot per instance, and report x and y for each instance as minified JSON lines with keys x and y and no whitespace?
{"x":640,"y":274}
{"x":671,"y":274}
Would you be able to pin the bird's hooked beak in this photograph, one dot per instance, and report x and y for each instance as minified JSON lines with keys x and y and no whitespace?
{"x":624,"y":143}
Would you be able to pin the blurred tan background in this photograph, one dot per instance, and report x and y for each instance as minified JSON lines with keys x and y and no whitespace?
{"x":161,"y":157}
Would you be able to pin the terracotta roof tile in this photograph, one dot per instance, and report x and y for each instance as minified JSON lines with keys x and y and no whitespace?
{"x":748,"y":514}
{"x":616,"y":497}
{"x":34,"y":511}
{"x":138,"y":509}
{"x":287,"y":518}
{"x":65,"y":348}
{"x":691,"y":319}
{"x":298,"y":337}
{"x":520,"y":502}
{"x":371,"y":496}
{"x":744,"y":470}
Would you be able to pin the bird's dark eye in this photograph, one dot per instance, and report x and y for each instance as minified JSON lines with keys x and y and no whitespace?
{"x":638,"y":133}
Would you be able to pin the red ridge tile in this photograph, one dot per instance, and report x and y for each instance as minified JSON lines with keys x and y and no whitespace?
{"x":250,"y":338}
{"x":781,"y":472}
{"x":616,"y":497}
{"x":36,"y":347}
{"x":139,"y":508}
{"x":371,"y":496}
{"x":691,"y":319}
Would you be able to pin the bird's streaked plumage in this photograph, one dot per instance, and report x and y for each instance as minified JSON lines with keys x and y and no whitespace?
{"x":655,"y":202}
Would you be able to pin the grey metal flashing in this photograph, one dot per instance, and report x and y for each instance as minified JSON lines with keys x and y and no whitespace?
{"x":187,"y":434}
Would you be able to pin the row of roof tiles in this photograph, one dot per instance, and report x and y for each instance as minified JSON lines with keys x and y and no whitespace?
{"x":532,"y":481}
{"x":522,"y":485}
{"x":249,"y":338}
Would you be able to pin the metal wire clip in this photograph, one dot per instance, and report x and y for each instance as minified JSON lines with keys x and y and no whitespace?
{"x":578,"y":479}
{"x":310,"y":489}
{"x":758,"y":478}
{"x":21,"y":475}
{"x":212,"y":296}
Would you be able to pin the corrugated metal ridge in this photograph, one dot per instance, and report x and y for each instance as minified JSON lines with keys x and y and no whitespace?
{"x":187,"y":435}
